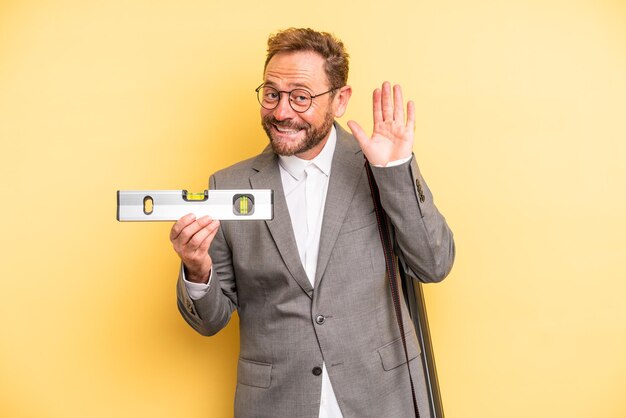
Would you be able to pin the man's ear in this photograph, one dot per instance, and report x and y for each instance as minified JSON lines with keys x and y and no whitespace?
{"x":340,"y":101}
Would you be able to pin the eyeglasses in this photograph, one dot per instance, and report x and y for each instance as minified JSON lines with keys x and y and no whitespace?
{"x":300,"y":100}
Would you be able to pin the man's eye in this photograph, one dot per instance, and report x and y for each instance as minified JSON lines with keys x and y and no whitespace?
{"x":300,"y":98}
{"x":272,"y":95}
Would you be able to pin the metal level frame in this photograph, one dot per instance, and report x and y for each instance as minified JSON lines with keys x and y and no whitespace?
{"x":171,"y":205}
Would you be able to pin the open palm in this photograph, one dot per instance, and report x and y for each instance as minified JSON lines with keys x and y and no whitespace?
{"x":392,"y":138}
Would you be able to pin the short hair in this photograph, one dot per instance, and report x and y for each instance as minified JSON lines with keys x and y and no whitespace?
{"x":325,"y":44}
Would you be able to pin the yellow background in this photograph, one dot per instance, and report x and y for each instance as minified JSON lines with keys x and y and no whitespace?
{"x":521,"y":110}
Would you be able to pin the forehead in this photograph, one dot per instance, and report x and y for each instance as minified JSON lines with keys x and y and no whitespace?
{"x":296,"y":69}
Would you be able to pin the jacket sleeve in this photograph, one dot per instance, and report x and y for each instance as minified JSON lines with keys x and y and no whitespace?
{"x":423,"y":239}
{"x":211,"y":313}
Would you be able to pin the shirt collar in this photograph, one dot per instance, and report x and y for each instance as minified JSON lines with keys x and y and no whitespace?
{"x":295,"y":166}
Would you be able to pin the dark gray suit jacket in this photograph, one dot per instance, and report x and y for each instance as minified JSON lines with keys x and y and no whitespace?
{"x":258,"y":272}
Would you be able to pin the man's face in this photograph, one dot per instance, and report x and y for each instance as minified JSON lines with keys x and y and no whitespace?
{"x":292,"y":133}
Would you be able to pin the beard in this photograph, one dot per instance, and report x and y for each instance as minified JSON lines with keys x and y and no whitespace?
{"x":312,"y":135}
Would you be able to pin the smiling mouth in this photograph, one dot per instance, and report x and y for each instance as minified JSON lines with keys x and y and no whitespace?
{"x":286,"y":130}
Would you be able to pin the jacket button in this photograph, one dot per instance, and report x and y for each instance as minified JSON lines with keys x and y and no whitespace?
{"x":190,"y":307}
{"x":420,"y":192}
{"x":320,"y":319}
{"x":317,"y":371}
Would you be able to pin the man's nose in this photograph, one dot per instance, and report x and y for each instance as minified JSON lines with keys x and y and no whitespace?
{"x":283,"y":110}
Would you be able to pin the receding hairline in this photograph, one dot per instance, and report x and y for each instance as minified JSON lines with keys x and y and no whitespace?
{"x":304,"y":40}
{"x":303,"y":52}
{"x":294,"y":52}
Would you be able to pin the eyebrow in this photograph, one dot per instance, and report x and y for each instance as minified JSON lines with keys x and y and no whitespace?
{"x":292,"y":85}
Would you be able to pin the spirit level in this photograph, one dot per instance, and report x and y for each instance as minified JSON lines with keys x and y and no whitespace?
{"x":171,"y":205}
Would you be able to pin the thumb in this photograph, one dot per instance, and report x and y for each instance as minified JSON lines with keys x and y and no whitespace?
{"x":358,"y":133}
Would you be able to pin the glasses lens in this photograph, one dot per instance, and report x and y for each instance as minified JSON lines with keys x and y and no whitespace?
{"x":300,"y":100}
{"x":268,"y":97}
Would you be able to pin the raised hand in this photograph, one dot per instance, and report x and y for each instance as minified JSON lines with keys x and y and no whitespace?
{"x":392,"y":138}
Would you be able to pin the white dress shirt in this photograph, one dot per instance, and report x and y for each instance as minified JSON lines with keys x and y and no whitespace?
{"x":305,"y":183}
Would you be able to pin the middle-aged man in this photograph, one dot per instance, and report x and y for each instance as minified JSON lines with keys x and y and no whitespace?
{"x":317,"y":328}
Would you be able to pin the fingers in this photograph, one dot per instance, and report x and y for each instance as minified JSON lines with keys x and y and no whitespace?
{"x":387,"y":102}
{"x":388,"y":113}
{"x":190,"y":236}
{"x":377,"y":106}
{"x":204,"y":245}
{"x":410,"y":121}
{"x":198,"y":233}
{"x":192,"y":243}
{"x":181,"y":224}
{"x":398,"y":104}
{"x":196,"y":252}
{"x":382,"y":104}
{"x":186,"y":227}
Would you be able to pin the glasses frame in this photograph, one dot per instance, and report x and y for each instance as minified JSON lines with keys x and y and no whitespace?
{"x":280,"y":96}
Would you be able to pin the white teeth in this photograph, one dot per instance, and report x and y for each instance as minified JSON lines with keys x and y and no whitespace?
{"x":286,"y":131}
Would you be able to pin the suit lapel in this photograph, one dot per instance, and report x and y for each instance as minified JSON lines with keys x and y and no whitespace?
{"x":347,"y":167}
{"x":268,"y":177}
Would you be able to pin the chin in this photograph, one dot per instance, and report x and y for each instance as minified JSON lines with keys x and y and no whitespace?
{"x":286,"y":148}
